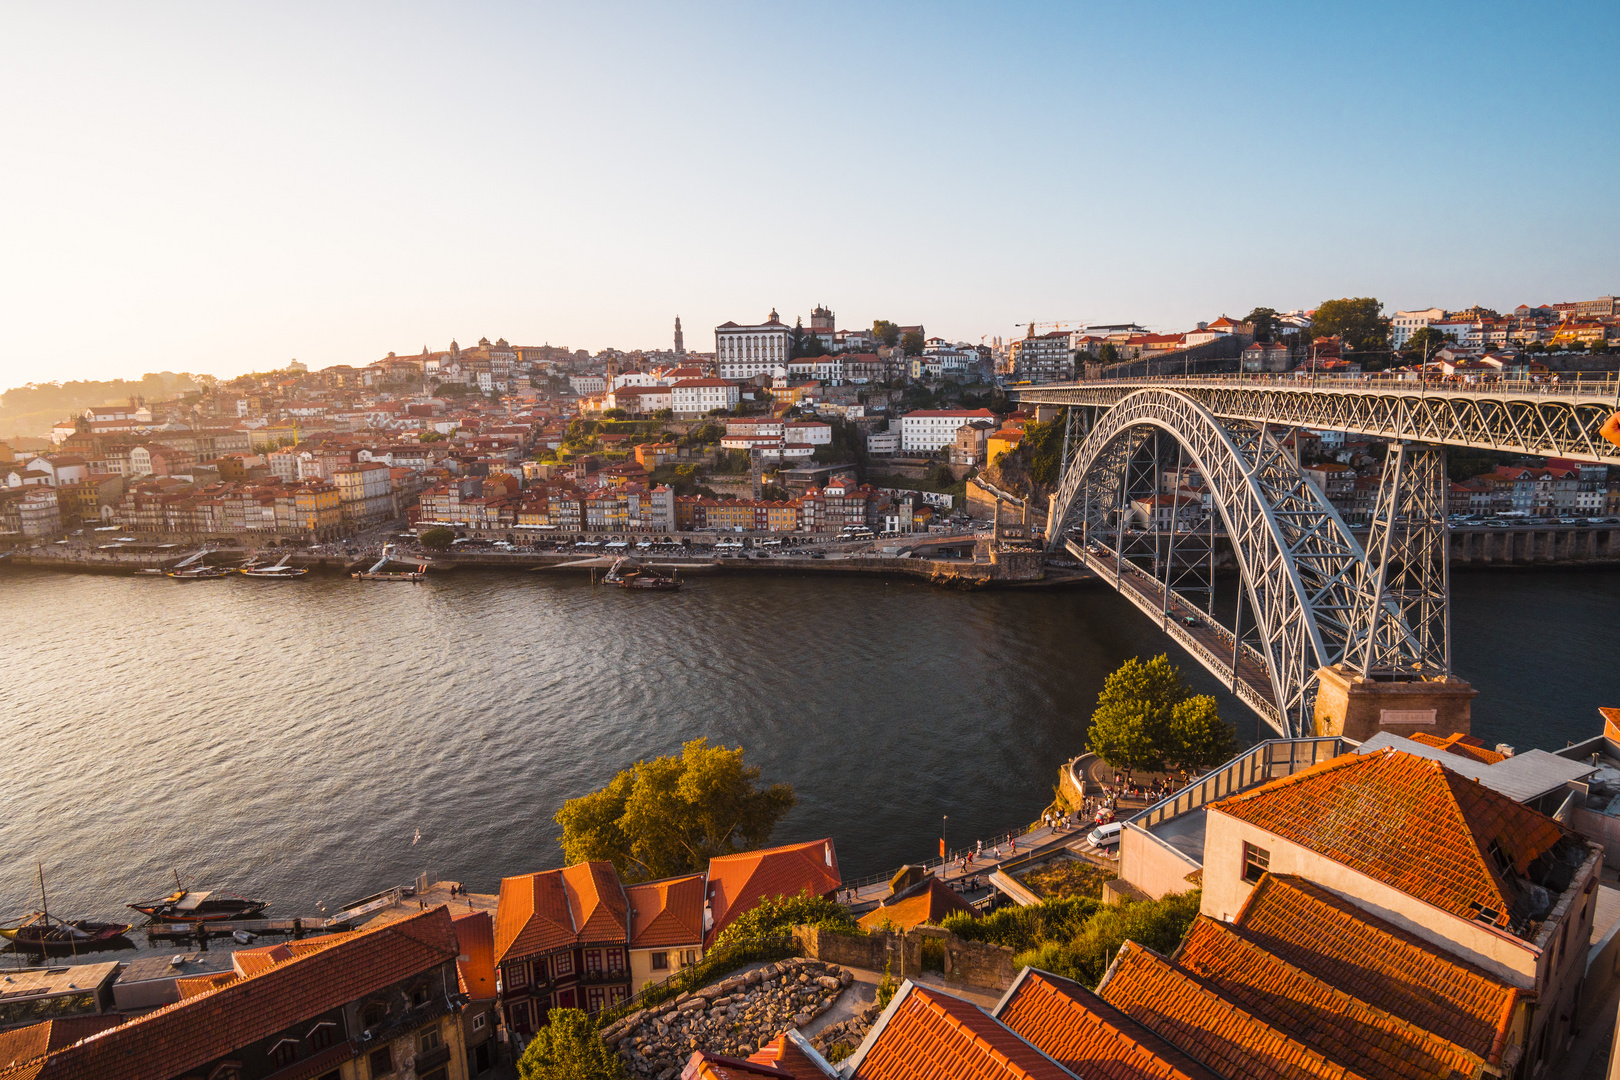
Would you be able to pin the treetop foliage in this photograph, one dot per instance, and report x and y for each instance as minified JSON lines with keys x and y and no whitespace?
{"x":671,"y":815}
{"x":569,"y":1048}
{"x":778,"y":915}
{"x":1147,"y":717}
{"x":1360,"y":321}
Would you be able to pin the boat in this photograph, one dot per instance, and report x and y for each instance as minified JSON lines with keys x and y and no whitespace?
{"x":377,"y":573}
{"x":627,"y":574}
{"x":40,"y":931}
{"x":190,"y":906}
{"x":150,"y":571}
{"x":197,"y":573}
{"x":278,"y":571}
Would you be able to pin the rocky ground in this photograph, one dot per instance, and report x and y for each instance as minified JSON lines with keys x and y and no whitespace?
{"x":735,"y":1016}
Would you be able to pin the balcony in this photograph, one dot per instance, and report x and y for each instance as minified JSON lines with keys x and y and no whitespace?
{"x":432,"y":1058}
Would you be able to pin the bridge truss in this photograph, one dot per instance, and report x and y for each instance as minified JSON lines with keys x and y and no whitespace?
{"x":1309,"y":596}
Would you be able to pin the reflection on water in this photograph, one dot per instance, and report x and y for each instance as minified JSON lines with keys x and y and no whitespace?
{"x":288,"y":739}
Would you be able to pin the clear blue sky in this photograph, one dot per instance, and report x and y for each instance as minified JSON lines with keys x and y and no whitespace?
{"x":223,"y":187}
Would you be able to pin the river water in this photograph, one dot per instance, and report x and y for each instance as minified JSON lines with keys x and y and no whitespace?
{"x":290,"y":739}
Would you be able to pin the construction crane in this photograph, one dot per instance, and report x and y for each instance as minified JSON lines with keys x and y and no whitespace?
{"x":1056,"y":324}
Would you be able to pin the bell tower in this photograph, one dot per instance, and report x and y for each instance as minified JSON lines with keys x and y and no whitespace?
{"x":680,"y":342}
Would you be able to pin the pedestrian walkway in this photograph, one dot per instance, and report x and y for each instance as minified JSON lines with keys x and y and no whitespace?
{"x":966,"y":865}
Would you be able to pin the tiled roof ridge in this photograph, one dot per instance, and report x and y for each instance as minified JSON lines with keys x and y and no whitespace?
{"x":931,"y":1001}
{"x":1343,"y":761}
{"x":1435,"y":1045}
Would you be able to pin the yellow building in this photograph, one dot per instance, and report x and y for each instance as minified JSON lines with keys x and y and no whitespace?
{"x":1001,"y":441}
{"x":782,"y":516}
{"x":666,"y":928}
{"x":319,"y":510}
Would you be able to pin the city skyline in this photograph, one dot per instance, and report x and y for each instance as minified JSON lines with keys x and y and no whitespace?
{"x":223,"y":194}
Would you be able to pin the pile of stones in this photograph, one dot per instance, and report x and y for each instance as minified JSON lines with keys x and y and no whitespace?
{"x":836,"y":1041}
{"x":732,"y":1017}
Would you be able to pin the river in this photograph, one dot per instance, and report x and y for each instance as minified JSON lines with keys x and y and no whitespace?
{"x":290,"y":739}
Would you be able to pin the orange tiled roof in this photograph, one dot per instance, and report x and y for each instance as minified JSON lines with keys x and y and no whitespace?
{"x":1319,"y":1015}
{"x":666,"y":912}
{"x":1311,"y":928}
{"x":475,"y":937}
{"x":1410,"y":823}
{"x":925,"y":1033}
{"x":36,"y":1040}
{"x":1462,"y":745}
{"x":1177,"y":1007}
{"x":532,"y":916}
{"x":596,"y":900}
{"x":928,"y":906}
{"x":705,"y":1065}
{"x":1088,"y":1036}
{"x":738,"y":882}
{"x":785,"y":1054}
{"x":191,"y":1033}
{"x":201,"y":984}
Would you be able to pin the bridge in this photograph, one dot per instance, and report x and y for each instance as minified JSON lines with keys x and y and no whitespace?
{"x":1308,"y":595}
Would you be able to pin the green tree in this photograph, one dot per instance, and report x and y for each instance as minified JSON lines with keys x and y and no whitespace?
{"x":569,"y":1048}
{"x":664,"y":414}
{"x":886,"y":332}
{"x":1042,"y":447}
{"x":1360,"y":321}
{"x":778,"y":915}
{"x":1264,"y":321}
{"x":437,"y":538}
{"x":671,"y":815}
{"x":1158,"y":924}
{"x":1200,"y":739}
{"x":1108,"y":354}
{"x":1426,"y":342}
{"x":615,"y":414}
{"x":1135,"y":725}
{"x":912,"y":343}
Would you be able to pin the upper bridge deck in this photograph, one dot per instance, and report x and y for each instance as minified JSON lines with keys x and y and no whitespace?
{"x":1545,"y":419}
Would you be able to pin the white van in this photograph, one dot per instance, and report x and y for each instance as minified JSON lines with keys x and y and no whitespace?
{"x":1106,"y":836}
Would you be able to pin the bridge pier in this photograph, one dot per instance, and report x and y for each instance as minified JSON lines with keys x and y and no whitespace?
{"x":1351,"y":705}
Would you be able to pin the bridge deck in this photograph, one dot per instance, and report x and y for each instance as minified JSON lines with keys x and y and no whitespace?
{"x":1209,"y":642}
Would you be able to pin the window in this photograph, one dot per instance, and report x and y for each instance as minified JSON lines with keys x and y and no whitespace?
{"x":518,"y":975}
{"x":1256,"y":861}
{"x":429,"y":1040}
{"x":595,"y":998}
{"x":321,"y":1037}
{"x":565,"y":963}
{"x":615,"y":960}
{"x":381,"y":1061}
{"x":660,"y":961}
{"x":419,"y":996}
{"x":284,"y":1053}
{"x":479,"y":1021}
{"x":593,"y":961}
{"x":689,"y":957}
{"x":373,"y":1014}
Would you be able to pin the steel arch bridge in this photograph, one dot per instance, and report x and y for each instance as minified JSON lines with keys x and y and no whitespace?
{"x":1313,"y":596}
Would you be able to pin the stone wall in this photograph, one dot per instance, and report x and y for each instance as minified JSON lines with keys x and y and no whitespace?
{"x":972,"y":963}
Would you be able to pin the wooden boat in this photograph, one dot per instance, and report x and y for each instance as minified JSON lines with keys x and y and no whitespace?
{"x":190,"y":906}
{"x":198,"y":573}
{"x":40,"y":931}
{"x":279,"y":571}
{"x":628,"y":575}
{"x":377,"y":573}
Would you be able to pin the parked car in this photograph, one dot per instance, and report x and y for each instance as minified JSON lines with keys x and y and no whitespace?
{"x":1106,"y":836}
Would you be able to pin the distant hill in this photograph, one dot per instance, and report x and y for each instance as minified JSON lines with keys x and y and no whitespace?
{"x":34,"y":409}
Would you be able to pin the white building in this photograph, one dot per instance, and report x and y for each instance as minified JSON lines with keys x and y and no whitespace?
{"x":1406,"y":323}
{"x":692,"y":398}
{"x":643,"y":400}
{"x":814,"y":432}
{"x":762,"y":427}
{"x":927,"y":430}
{"x":587,"y":384}
{"x":745,"y":351}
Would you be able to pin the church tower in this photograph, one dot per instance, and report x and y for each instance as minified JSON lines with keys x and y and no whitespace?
{"x":680,"y":342}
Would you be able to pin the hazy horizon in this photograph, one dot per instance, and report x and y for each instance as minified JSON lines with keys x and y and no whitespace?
{"x":220,"y":190}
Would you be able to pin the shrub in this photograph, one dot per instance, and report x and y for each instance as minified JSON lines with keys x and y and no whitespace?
{"x":777,"y":916}
{"x":569,"y":1048}
{"x":1157,"y":924}
{"x":1025,"y":927}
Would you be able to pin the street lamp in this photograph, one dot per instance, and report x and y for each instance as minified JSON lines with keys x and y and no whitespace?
{"x":943,"y":818}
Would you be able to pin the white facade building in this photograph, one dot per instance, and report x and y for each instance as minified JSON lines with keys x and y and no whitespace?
{"x":692,"y":398}
{"x":1406,"y":323}
{"x":927,"y":430}
{"x":587,"y":384}
{"x":745,"y":351}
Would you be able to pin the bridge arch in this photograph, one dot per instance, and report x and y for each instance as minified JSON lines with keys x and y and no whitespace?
{"x":1301,"y":572}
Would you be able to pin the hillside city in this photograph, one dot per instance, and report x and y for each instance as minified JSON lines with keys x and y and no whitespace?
{"x":805,"y":433}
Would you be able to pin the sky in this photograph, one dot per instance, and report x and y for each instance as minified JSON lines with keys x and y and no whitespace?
{"x":225,"y":187}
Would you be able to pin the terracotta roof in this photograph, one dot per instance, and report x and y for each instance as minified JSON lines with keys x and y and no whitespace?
{"x":197,"y":1030}
{"x":667,"y":912}
{"x":1310,"y":928}
{"x":925,"y":1033}
{"x":1462,"y":745}
{"x":1412,"y":824}
{"x":475,"y":937}
{"x":1177,"y":1007}
{"x":36,"y":1040}
{"x":930,"y":905}
{"x":532,"y":916}
{"x":202,"y":984}
{"x":1319,"y":1015}
{"x":739,"y":882}
{"x":786,"y":1052}
{"x":1088,"y":1036}
{"x":705,"y":1065}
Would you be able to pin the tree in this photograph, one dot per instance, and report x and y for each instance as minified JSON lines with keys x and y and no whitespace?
{"x":615,"y":414}
{"x":672,"y":815}
{"x":1426,"y":342}
{"x":1136,"y":724}
{"x":437,"y":538}
{"x":569,"y":1048}
{"x":775,"y":916}
{"x":886,"y":332}
{"x":1108,"y":354}
{"x":664,"y":414}
{"x":1359,"y":321}
{"x":912,"y":343}
{"x":1264,"y":321}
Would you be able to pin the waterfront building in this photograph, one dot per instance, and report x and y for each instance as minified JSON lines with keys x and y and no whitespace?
{"x":666,"y":927}
{"x":377,"y":1002}
{"x":365,"y":494}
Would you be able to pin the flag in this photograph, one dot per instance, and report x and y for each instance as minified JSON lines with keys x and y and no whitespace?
{"x":942,"y":847}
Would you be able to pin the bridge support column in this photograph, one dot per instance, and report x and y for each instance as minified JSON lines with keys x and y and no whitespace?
{"x":1357,"y":707}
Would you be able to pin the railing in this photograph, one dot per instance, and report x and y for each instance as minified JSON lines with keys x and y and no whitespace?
{"x":935,"y":862}
{"x":1252,"y":767}
{"x":1568,"y":384}
{"x":702,"y":973}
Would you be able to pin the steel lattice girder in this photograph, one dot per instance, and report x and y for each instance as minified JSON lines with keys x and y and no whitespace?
{"x":1553,"y":424}
{"x":1303,"y":573}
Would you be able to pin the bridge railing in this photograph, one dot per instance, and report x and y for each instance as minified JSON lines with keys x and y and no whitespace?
{"x":1262,"y":762}
{"x":1566,"y":384}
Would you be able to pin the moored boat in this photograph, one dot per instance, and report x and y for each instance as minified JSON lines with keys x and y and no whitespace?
{"x":198,"y":573}
{"x":279,"y":570}
{"x":189,"y":906}
{"x":40,"y":931}
{"x":627,"y":574}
